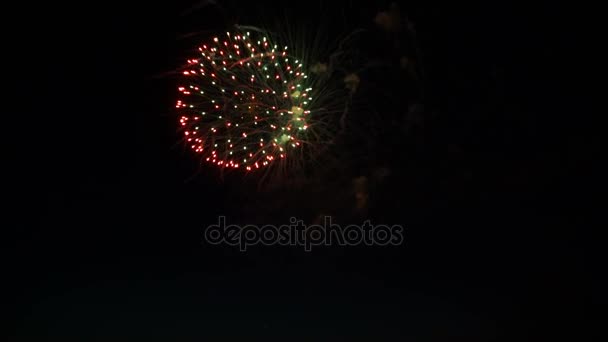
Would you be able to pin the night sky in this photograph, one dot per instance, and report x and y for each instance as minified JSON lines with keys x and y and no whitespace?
{"x":493,"y":179}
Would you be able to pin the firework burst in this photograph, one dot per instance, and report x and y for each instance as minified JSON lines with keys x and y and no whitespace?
{"x":247,"y":103}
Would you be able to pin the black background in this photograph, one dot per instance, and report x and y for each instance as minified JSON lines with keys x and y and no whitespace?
{"x":103,"y":236}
